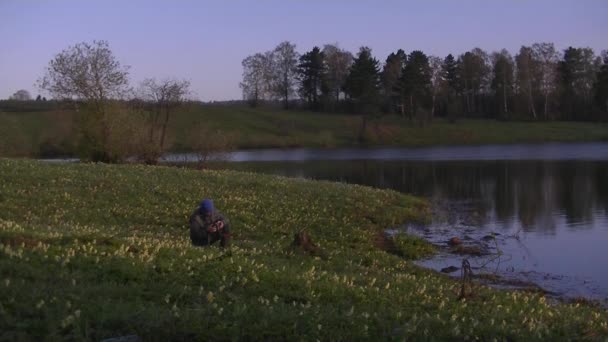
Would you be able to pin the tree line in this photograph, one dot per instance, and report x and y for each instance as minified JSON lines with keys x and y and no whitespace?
{"x":538,"y":83}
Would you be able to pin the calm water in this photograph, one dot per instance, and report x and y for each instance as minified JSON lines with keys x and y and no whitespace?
{"x":548,"y":204}
{"x":553,"y":151}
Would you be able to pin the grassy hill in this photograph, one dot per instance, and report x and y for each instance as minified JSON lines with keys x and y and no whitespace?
{"x":35,"y":133}
{"x":91,"y":251}
{"x":274,"y":128}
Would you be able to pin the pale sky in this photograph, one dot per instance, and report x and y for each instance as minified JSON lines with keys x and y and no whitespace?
{"x":205,"y":41}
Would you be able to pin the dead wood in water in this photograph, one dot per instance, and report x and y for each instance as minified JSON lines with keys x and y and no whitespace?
{"x":466,"y":289}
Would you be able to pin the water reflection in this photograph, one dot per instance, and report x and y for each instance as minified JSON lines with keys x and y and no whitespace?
{"x":530,"y":194}
{"x":557,"y":210}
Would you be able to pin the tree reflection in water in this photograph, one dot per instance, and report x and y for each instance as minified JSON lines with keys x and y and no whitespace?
{"x":531,"y":194}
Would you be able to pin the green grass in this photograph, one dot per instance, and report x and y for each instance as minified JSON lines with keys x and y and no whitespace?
{"x":90,"y":251}
{"x":25,"y":133}
{"x":256,"y":128}
{"x":411,"y":247}
{"x":262,"y":128}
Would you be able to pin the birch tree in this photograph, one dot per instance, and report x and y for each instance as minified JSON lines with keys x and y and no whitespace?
{"x":527,"y":69}
{"x":502,"y":81}
{"x":338,"y":63}
{"x":286,"y":71}
{"x":438,"y":80}
{"x":547,"y":59}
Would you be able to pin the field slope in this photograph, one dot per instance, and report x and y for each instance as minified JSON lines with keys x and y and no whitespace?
{"x":91,"y":251}
{"x":54,"y":132}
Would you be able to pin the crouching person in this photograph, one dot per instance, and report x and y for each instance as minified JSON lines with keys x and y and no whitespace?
{"x":208,"y":225}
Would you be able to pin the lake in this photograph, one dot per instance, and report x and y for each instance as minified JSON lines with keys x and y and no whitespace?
{"x":539,"y":211}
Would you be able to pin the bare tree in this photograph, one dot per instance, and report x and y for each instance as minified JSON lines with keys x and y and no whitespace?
{"x":252,"y":79}
{"x":548,"y":59}
{"x":286,"y":70}
{"x":338,"y":65}
{"x":257,"y":77}
{"x":88,"y":72}
{"x":21,"y":95}
{"x":209,"y":145}
{"x":438,"y":79}
{"x":164,"y":96}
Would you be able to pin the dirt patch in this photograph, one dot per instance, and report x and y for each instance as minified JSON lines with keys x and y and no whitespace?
{"x":303,"y":242}
{"x":383,"y":242}
{"x":386,"y":243}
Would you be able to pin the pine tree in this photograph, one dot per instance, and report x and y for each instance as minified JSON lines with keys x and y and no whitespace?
{"x":450,"y":69}
{"x":451,"y":72}
{"x":391,"y":73}
{"x":577,"y":73}
{"x":363,"y":82}
{"x":601,"y":85}
{"x":311,"y":75}
{"x":416,"y":81}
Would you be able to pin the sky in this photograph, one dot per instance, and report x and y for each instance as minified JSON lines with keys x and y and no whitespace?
{"x":205,"y":41}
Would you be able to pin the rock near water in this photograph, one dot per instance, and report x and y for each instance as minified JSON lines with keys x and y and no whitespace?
{"x":449,"y":269}
{"x":455,"y":241}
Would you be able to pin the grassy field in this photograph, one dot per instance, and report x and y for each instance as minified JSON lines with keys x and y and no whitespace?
{"x":30,"y":133}
{"x":91,"y":251}
{"x":255,"y":128}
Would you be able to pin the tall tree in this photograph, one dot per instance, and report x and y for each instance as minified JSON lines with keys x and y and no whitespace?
{"x":527,"y":80}
{"x":363,"y":81}
{"x":474,"y":71}
{"x":450,"y":70}
{"x":578,"y":71}
{"x":252,"y":79}
{"x":416,"y":81}
{"x":89,"y":72}
{"x":257,"y":78}
{"x":338,"y":63}
{"x":286,"y":70}
{"x":547,"y":59}
{"x":484,"y":69}
{"x":438,"y":80}
{"x":311,"y":75}
{"x":21,"y":95}
{"x":601,"y":85}
{"x":391,"y":73}
{"x":502,"y":81}
{"x":164,"y":96}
